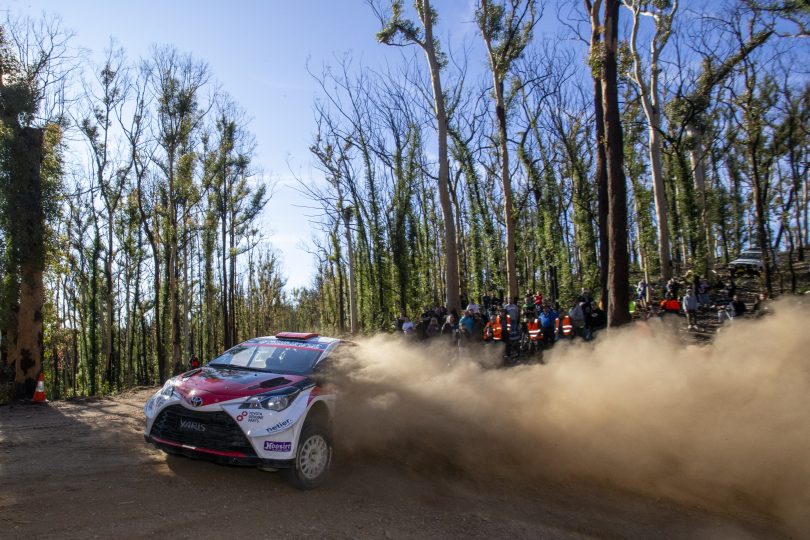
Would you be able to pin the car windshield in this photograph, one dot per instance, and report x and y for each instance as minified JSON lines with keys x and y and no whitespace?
{"x":272,"y":357}
{"x":751,"y":255}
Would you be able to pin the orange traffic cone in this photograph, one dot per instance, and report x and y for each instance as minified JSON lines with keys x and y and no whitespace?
{"x":39,"y":393}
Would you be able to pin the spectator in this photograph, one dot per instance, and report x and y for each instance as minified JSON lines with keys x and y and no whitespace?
{"x":731,"y":288}
{"x":450,"y":325}
{"x":487,"y":302}
{"x":696,"y":283}
{"x":538,"y":302}
{"x":464,"y":337}
{"x":724,"y":313}
{"x":548,"y":322}
{"x":578,"y":319}
{"x":477,"y":332}
{"x":598,"y":318}
{"x":420,"y":328}
{"x":440,"y":312}
{"x":672,"y":289}
{"x":400,"y":321}
{"x":738,"y":307}
{"x":467,"y":322}
{"x":690,"y":307}
{"x":585,"y":295}
{"x":433,"y":328}
{"x":641,"y":294}
{"x":514,"y":314}
{"x":703,"y":293}
{"x":532,"y":329}
{"x":760,"y":305}
{"x":587,"y":312}
{"x":195,"y":362}
{"x":408,"y":328}
{"x":505,"y":322}
{"x":529,"y":309}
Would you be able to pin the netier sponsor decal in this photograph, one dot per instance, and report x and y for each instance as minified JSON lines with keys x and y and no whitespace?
{"x":281,"y":425}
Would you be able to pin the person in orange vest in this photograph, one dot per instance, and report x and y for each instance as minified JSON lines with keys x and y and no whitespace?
{"x":530,"y":326}
{"x":576,"y":317}
{"x":505,"y":323}
{"x":496,"y":329}
{"x":535,"y":334}
{"x":566,"y":328}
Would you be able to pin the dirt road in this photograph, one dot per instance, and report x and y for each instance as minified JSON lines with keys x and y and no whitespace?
{"x":81,"y":469}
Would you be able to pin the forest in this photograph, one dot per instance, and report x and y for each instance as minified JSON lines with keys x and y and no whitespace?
{"x":641,"y":140}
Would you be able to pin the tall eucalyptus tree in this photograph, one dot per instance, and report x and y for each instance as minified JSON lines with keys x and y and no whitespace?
{"x":398,"y":30}
{"x":507,"y":30}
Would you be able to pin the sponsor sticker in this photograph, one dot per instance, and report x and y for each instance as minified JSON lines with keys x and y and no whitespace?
{"x":276,"y":446}
{"x":281,"y":425}
{"x":253,"y":417}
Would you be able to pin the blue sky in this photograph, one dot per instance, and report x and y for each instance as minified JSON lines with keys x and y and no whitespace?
{"x":259,"y":51}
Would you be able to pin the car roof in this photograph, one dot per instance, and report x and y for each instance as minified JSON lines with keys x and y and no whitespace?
{"x":295,"y":338}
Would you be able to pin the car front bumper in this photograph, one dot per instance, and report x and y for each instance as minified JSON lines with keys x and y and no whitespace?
{"x":217,"y":456}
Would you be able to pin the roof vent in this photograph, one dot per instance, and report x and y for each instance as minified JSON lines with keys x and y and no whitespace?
{"x":295,"y":335}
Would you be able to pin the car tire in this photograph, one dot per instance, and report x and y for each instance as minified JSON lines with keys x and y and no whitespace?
{"x":313,"y":457}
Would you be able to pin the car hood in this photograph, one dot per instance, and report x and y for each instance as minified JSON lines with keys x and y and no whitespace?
{"x":217,"y":384}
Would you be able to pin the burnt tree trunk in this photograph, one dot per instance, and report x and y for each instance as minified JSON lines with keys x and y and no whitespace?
{"x":27,"y":188}
{"x":618,"y":267}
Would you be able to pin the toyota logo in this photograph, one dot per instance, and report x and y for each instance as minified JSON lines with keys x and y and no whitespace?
{"x":196,"y":401}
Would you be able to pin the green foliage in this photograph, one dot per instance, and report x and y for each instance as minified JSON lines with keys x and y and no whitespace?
{"x":507,"y":30}
{"x":398,"y":29}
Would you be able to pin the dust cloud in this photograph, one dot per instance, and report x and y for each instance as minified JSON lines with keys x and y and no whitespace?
{"x":723,"y":426}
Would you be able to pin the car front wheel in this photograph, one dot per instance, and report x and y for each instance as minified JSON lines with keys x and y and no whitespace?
{"x":313,"y":459}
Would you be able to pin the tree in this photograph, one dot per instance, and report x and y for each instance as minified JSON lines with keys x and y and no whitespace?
{"x":400,"y":31}
{"x":97,"y":125}
{"x":177,"y":81}
{"x":234,"y":203}
{"x":600,"y":174}
{"x":506,"y":33}
{"x":618,"y":269}
{"x":34,"y":65}
{"x":689,"y":111}
{"x":662,"y":14}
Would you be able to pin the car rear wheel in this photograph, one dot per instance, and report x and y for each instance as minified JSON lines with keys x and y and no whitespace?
{"x":313,"y":459}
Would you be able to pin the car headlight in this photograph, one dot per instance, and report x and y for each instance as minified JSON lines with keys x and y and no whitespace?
{"x":273,"y":402}
{"x":168,"y":389}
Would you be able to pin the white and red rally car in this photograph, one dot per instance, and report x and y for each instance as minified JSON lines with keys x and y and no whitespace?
{"x":261,"y":403}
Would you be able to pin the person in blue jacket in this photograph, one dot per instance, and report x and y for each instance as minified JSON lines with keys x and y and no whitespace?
{"x":548,"y":322}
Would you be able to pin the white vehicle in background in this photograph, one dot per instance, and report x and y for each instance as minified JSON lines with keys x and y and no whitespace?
{"x":261,"y":403}
{"x":749,"y":261}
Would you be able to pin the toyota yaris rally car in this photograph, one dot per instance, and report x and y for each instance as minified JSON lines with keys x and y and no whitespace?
{"x":261,"y":403}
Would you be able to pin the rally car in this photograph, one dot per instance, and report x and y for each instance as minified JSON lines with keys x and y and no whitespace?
{"x":262,"y":403}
